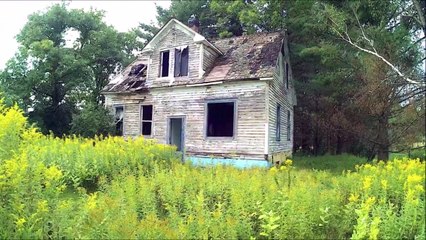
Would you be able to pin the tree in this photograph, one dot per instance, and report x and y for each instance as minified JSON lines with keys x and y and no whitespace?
{"x":50,"y":78}
{"x":374,"y":92}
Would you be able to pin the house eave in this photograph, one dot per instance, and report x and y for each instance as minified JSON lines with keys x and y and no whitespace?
{"x":201,"y":84}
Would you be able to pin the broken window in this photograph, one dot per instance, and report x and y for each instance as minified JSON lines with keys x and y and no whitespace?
{"x":278,"y":124}
{"x":146,"y":124}
{"x":118,"y":120}
{"x":181,"y":61}
{"x":164,"y":63}
{"x":137,"y":70}
{"x":286,"y":75}
{"x":220,"y":119}
{"x":288,"y":125}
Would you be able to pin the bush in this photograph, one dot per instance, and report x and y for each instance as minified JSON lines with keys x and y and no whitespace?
{"x":92,"y":120}
{"x":419,"y":153}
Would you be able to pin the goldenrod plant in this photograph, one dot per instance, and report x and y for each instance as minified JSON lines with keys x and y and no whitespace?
{"x":110,"y":187}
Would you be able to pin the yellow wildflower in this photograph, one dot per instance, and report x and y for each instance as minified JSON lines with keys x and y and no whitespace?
{"x":53,"y":173}
{"x":389,"y":167}
{"x":367,"y":166}
{"x":283,"y":168}
{"x":374,"y":229}
{"x":384,"y":184}
{"x":42,"y":206}
{"x":91,"y":202}
{"x":419,"y":188}
{"x":370,"y":201}
{"x":20,"y":222}
{"x":273,"y":170}
{"x":288,"y":162}
{"x":353,"y":198}
{"x":414,"y":178}
{"x":366,"y":183}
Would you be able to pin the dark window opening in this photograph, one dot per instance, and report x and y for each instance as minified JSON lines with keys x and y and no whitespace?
{"x":220,"y":119}
{"x":181,"y":62}
{"x":286,"y":75}
{"x":146,"y":124}
{"x":288,"y":125}
{"x":164,"y":63}
{"x":139,"y":69}
{"x":118,"y":120}
{"x":278,"y":124}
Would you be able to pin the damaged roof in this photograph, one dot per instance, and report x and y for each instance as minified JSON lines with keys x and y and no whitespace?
{"x":246,"y":57}
{"x":132,"y":79}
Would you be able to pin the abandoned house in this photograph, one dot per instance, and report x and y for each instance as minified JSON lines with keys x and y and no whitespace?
{"x":223,"y":101}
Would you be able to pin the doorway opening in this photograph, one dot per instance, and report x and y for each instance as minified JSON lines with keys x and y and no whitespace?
{"x":176,"y":133}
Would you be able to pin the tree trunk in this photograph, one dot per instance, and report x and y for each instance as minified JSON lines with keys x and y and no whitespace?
{"x":339,"y":143}
{"x":383,"y":139}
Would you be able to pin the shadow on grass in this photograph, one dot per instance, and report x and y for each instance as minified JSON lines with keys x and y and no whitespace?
{"x":335,"y":164}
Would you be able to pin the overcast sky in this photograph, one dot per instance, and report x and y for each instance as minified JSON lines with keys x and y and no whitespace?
{"x":123,"y":15}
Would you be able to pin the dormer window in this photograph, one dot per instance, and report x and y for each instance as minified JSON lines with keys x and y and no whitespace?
{"x":164,"y":63}
{"x":181,"y":61}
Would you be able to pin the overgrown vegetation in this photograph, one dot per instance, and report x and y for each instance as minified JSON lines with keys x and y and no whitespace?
{"x":114,"y":188}
{"x":357,"y":66}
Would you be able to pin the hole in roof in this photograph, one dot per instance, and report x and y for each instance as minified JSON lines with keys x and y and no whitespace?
{"x":136,"y":69}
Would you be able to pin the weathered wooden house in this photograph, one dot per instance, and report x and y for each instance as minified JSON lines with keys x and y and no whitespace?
{"x":228,"y":100}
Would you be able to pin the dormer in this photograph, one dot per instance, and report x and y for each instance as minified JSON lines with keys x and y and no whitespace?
{"x":178,"y":54}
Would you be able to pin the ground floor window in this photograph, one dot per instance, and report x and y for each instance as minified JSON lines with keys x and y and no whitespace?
{"x":118,"y":120}
{"x":220,"y":119}
{"x":278,"y":124}
{"x":146,"y":120}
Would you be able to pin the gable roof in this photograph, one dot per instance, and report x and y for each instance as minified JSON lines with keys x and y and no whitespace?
{"x":198,"y":38}
{"x":246,"y":57}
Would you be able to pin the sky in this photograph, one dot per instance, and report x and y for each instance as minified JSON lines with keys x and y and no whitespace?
{"x":123,"y":15}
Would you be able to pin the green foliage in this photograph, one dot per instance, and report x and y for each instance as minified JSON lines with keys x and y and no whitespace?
{"x":141,"y":190}
{"x":419,"y":153}
{"x":92,"y":120}
{"x":51,"y":77}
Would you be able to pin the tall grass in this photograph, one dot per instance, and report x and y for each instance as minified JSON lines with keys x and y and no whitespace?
{"x":331,"y":163}
{"x":143,"y":191}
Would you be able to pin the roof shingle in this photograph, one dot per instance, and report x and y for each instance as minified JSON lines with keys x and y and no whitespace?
{"x":246,"y":57}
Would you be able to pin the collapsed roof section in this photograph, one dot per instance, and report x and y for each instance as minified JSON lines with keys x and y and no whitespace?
{"x":246,"y":57}
{"x":132,"y":79}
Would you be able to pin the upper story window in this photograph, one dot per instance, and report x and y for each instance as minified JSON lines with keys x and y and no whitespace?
{"x":181,"y":61}
{"x":164,"y":63}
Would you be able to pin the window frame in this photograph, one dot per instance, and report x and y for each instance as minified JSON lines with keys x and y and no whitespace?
{"x":115,"y":106}
{"x":141,"y":121}
{"x":278,"y":123}
{"x":288,"y":125}
{"x":160,"y":68}
{"x":180,"y":65}
{"x":222,"y":100}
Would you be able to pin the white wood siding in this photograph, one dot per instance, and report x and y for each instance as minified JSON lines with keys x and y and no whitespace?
{"x":279,"y":94}
{"x":249,"y":141}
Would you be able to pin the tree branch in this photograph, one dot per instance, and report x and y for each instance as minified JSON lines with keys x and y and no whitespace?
{"x":345,"y":36}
